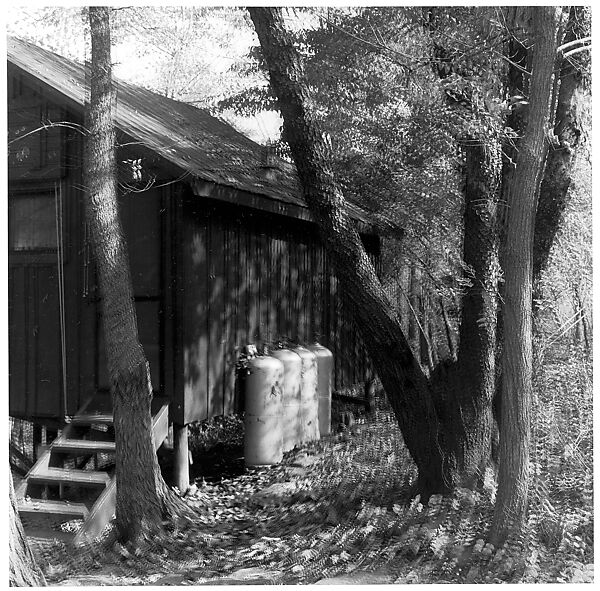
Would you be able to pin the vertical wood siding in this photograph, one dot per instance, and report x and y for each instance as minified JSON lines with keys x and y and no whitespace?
{"x":253,"y":278}
{"x":35,"y":349}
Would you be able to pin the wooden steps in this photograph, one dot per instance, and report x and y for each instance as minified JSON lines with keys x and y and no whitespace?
{"x":92,"y":419}
{"x":66,"y":508}
{"x":83,"y":446}
{"x":70,"y":470}
{"x":70,"y":476}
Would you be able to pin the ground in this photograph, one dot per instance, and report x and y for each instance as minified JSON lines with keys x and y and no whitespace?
{"x":333,"y":512}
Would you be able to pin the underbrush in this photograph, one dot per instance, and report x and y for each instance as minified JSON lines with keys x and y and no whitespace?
{"x":340,"y":506}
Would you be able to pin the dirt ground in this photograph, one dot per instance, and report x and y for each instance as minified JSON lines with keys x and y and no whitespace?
{"x":336,"y":511}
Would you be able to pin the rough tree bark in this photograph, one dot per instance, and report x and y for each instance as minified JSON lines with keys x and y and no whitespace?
{"x":437,"y":427}
{"x":522,"y":196}
{"x":402,"y":378}
{"x":414,"y":330}
{"x":472,"y":379}
{"x":23,"y":570}
{"x":143,"y":499}
{"x":561,"y":157}
{"x":467,"y":386}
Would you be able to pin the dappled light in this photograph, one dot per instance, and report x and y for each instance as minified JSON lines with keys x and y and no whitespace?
{"x":361,"y":353}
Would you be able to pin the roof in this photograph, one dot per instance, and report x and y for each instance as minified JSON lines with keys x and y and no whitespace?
{"x":201,"y":145}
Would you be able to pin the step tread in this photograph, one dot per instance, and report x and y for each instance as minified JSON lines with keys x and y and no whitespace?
{"x":54,"y":507}
{"x":83,"y":445}
{"x":91,"y":418}
{"x":70,"y":476}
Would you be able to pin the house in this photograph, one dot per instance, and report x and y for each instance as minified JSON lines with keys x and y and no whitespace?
{"x":223,"y":251}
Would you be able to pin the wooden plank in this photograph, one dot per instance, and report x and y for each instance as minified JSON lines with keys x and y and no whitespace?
{"x":252,"y":286}
{"x":83,"y":446}
{"x":141,"y":224}
{"x":326,"y":302}
{"x":261,"y":285}
{"x":271,"y":290}
{"x":37,"y":506}
{"x":69,"y":476}
{"x":241,"y":300}
{"x":243,"y":315}
{"x":160,"y":425}
{"x":293,"y":285}
{"x":276,"y":288}
{"x":175,"y":296}
{"x":300,"y":304}
{"x":232,"y":264}
{"x":46,"y":331}
{"x":168,"y":289}
{"x":321,"y":293}
{"x":104,"y":508}
{"x":92,"y":419}
{"x":79,"y":359}
{"x":195,"y":317}
{"x":347,"y":340}
{"x":215,"y":361}
{"x":314,"y":292}
{"x":285,"y":290}
{"x":18,"y":341}
{"x":40,"y":466}
{"x":308,"y":281}
{"x":100,"y":515}
{"x":335,"y":327}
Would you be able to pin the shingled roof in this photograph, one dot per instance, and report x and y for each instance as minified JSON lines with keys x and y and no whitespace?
{"x":210,"y":150}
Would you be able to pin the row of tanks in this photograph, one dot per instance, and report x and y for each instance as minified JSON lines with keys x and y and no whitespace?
{"x":287,"y":401}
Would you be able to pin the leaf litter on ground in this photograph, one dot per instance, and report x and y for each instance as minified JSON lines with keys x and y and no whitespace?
{"x":331,"y":508}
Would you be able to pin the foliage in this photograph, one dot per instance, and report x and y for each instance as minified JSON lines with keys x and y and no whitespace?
{"x":225,"y":430}
{"x":566,"y":286}
{"x":382,"y":86}
{"x":56,"y":28}
{"x":188,"y":53}
{"x":312,"y":517}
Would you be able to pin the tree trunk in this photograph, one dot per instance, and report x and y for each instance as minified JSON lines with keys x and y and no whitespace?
{"x":472,"y":383}
{"x":23,"y":570}
{"x":143,"y":499}
{"x":414,"y":300}
{"x":522,"y":195}
{"x":468,"y":385}
{"x":448,"y":330}
{"x":398,"y":369}
{"x":561,"y":158}
{"x":403,"y":295}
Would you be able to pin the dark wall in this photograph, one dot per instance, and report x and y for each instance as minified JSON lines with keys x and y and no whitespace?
{"x":247,"y":277}
{"x":208,"y":278}
{"x":43,"y":195}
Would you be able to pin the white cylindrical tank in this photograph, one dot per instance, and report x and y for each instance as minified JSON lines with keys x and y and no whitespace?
{"x":324,"y":381}
{"x":290,"y":417}
{"x":263,"y":435}
{"x":309,"y":401}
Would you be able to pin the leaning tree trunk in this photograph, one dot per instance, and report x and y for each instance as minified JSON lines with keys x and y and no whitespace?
{"x":23,"y":570}
{"x":522,"y":195}
{"x":143,"y":498}
{"x":400,"y":373}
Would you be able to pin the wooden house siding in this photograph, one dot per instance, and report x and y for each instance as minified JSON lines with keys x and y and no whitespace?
{"x":251,"y":278}
{"x":215,"y":266}
{"x":45,"y":162}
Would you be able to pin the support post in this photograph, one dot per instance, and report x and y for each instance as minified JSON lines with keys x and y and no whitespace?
{"x":181,"y":459}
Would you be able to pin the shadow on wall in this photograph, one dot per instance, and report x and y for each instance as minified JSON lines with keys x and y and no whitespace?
{"x":253,"y":278}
